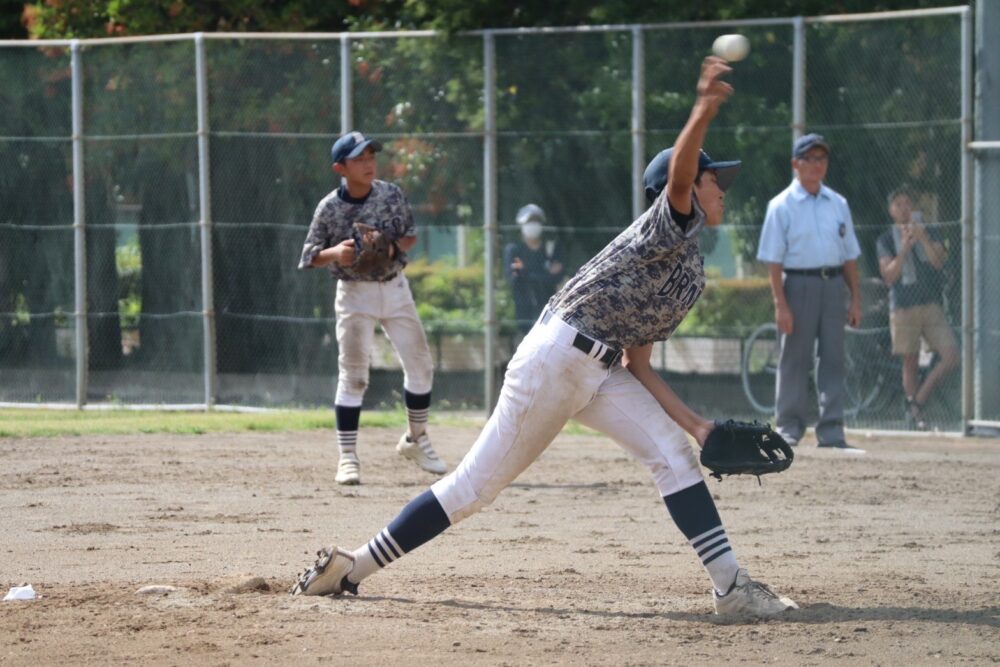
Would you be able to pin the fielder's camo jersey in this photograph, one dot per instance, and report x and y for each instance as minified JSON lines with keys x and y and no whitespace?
{"x":638,"y":289}
{"x":385,"y":208}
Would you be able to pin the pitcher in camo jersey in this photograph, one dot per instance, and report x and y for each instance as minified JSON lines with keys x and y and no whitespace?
{"x":588,"y":358}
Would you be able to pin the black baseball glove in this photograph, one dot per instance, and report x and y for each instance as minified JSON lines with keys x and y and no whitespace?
{"x":742,"y":448}
{"x":372,"y":248}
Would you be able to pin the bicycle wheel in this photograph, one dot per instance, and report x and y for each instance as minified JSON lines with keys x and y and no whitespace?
{"x":759,"y":367}
{"x":865,"y":373}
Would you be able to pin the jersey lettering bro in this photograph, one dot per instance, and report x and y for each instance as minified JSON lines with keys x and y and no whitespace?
{"x":639,"y":288}
{"x":385,"y":208}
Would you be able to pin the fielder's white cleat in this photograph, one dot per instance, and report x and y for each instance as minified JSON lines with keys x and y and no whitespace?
{"x":750,"y":598}
{"x":420,"y":452}
{"x":329,"y":575}
{"x":348,"y":471}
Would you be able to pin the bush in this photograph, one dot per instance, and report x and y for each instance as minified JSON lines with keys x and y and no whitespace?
{"x":730,"y":308}
{"x":128,"y":262}
{"x":451,"y":299}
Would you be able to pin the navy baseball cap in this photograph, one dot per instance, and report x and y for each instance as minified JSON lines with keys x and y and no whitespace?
{"x":655,"y":177}
{"x":352,"y":145}
{"x":807,"y":142}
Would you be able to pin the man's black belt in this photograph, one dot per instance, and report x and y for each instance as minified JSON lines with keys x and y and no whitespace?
{"x":586,"y":345}
{"x":823,"y":272}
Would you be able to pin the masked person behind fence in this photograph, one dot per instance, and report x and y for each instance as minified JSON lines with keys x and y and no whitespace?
{"x":911,"y":257}
{"x":532,"y":266}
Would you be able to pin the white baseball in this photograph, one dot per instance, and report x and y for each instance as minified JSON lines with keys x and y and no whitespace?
{"x":731,"y":47}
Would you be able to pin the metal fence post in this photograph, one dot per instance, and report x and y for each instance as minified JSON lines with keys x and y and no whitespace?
{"x":79,"y":231}
{"x":798,"y":78}
{"x":638,"y":120}
{"x":346,"y":90}
{"x":205,"y":221}
{"x":985,"y":322}
{"x":969,"y":366}
{"x":489,"y":213}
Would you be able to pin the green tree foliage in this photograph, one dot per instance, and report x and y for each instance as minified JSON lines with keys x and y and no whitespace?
{"x":563,"y":115}
{"x":99,"y":18}
{"x":103,"y":18}
{"x":36,"y":255}
{"x":11,"y":21}
{"x":457,"y":15}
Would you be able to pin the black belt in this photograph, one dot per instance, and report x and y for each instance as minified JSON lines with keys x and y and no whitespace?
{"x":823,"y":272}
{"x":586,"y":345}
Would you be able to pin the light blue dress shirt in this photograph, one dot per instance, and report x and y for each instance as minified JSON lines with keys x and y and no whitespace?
{"x":804,"y":231}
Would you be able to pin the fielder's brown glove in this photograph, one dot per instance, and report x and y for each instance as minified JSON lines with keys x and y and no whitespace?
{"x":742,"y":448}
{"x":372,"y":248}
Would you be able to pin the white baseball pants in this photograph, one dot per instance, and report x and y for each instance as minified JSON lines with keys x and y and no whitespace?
{"x":359,"y":305}
{"x":547,"y":383}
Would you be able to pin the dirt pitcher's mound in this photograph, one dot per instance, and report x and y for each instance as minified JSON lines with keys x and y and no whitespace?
{"x":892,"y":556}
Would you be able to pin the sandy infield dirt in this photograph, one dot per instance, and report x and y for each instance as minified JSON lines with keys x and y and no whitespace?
{"x":894,"y":557}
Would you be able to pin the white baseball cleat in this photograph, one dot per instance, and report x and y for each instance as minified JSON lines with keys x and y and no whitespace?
{"x":841,"y":447}
{"x":348,"y":471}
{"x":329,"y":575}
{"x":420,"y":452}
{"x":750,"y":598}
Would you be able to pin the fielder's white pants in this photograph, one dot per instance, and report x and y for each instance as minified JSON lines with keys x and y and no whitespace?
{"x":547,"y":383}
{"x":359,"y":305}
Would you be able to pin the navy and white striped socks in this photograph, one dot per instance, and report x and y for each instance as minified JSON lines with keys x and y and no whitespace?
{"x":382,"y":550}
{"x":694,"y":512}
{"x":420,"y":521}
{"x":418,"y":406}
{"x":717,"y":556}
{"x":347,"y":430}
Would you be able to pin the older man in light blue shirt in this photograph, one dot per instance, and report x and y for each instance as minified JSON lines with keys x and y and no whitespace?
{"x":809,"y":244}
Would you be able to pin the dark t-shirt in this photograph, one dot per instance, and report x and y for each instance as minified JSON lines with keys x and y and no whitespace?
{"x":927,"y":286}
{"x":534,"y":283}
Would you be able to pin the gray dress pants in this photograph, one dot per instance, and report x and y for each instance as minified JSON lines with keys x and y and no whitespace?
{"x":819,"y":307}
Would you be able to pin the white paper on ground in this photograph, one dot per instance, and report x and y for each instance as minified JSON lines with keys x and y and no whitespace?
{"x":20,"y":593}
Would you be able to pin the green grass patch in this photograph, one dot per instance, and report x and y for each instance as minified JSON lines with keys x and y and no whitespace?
{"x":31,"y":423}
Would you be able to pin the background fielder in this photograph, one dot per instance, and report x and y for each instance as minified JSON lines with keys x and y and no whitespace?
{"x":380,"y":294}
{"x":634,"y":292}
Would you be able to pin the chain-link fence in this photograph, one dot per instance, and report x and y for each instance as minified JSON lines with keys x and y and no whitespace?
{"x":198,"y":161}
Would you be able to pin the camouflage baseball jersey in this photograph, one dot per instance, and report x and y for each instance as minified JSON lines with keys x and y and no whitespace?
{"x":638,"y":289}
{"x":385,"y":208}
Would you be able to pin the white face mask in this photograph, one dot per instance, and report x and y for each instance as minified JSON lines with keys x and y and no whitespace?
{"x":531,"y":230}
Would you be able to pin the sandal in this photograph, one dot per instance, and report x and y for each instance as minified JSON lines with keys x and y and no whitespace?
{"x":914,"y":414}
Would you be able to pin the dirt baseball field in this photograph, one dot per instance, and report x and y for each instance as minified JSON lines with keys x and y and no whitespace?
{"x":894,"y":557}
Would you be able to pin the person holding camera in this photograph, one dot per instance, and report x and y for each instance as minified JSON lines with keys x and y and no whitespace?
{"x":911,"y":257}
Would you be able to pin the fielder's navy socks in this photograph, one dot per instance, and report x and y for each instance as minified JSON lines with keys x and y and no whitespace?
{"x":347,"y":428}
{"x":418,"y":406}
{"x":694,"y":512}
{"x":421,"y":520}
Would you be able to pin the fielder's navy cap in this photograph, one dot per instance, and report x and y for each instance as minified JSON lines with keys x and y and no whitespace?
{"x":655,"y":177}
{"x":352,"y":145}
{"x":807,"y":142}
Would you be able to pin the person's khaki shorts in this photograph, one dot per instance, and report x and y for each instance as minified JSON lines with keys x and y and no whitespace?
{"x":908,"y":325}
